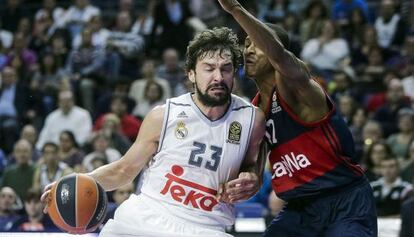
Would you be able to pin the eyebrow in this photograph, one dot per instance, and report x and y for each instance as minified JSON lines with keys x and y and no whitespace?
{"x":213,"y":64}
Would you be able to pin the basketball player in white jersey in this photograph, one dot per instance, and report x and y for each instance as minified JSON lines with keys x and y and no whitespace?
{"x":190,"y":147}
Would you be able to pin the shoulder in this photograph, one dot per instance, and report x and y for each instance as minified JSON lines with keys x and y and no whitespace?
{"x":156,"y":114}
{"x":240,"y":101}
{"x":260,"y":115}
{"x":80,"y":111}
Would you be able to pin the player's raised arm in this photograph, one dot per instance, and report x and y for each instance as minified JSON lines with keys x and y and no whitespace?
{"x":266,"y":40}
{"x":123,"y":171}
{"x":293,"y":80}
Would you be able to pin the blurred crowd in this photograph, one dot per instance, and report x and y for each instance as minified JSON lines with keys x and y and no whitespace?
{"x":78,"y":76}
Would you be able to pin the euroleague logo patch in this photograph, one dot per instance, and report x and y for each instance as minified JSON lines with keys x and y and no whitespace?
{"x":235,"y":130}
{"x":181,"y":131}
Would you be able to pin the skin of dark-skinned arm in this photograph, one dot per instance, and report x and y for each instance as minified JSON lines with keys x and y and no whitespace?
{"x":294,"y":83}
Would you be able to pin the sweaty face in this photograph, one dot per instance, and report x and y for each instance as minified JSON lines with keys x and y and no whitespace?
{"x":213,"y":78}
{"x":256,"y":62}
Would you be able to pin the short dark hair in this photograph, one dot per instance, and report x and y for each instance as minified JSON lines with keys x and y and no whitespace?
{"x":32,"y":195}
{"x":71,"y":136}
{"x":211,"y":40}
{"x":52,"y":144}
{"x":122,"y":98}
{"x":281,"y":33}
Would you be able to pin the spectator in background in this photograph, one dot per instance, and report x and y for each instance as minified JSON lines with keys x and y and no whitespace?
{"x":66,"y":117}
{"x":407,"y":218}
{"x":328,"y":52}
{"x":3,"y":55}
{"x":17,"y":105}
{"x":368,"y":42}
{"x":172,"y":16}
{"x":112,"y":129}
{"x":47,"y":81}
{"x":144,"y":22}
{"x":29,"y":133}
{"x":21,"y":57}
{"x":153,"y":97}
{"x":207,"y":11}
{"x":51,"y":168}
{"x":375,"y":154}
{"x":407,"y":174}
{"x":395,"y":100}
{"x":371,"y":133}
{"x":19,"y":176}
{"x":390,"y":26}
{"x":8,"y":215}
{"x":130,"y":125}
{"x":60,"y":50}
{"x":354,"y":32}
{"x":374,"y":100}
{"x":315,"y":15}
{"x":6,"y":37}
{"x":39,"y":39}
{"x":77,"y":16}
{"x":371,"y":74}
{"x":99,"y":34}
{"x":347,"y":107}
{"x":34,"y":219}
{"x":407,"y":65}
{"x":342,"y":9}
{"x":276,"y":11}
{"x":118,"y":88}
{"x":49,"y":7}
{"x":390,"y":191}
{"x":359,"y":119}
{"x":102,"y":154}
{"x":342,"y":84}
{"x":11,"y":14}
{"x":124,"y":47}
{"x":25,"y":27}
{"x":172,"y":70}
{"x":85,"y":67}
{"x":69,"y":151}
{"x":137,"y":90}
{"x":400,"y":141}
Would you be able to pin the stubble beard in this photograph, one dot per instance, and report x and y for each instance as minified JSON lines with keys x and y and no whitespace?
{"x":213,"y":101}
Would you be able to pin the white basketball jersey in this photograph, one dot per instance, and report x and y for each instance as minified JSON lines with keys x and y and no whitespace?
{"x":196,"y":155}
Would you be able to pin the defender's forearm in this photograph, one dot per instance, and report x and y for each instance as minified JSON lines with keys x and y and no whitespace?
{"x":259,"y":33}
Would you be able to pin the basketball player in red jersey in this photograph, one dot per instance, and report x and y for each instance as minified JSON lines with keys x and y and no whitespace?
{"x":311,"y":148}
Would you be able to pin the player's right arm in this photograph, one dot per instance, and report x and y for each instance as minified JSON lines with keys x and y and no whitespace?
{"x":124,"y":170}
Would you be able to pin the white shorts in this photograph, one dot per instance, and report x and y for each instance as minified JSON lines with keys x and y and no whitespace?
{"x":135,"y":218}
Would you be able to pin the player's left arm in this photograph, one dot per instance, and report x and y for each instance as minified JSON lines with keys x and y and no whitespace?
{"x":249,"y":181}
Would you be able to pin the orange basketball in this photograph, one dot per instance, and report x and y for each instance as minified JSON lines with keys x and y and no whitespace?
{"x":77,"y":204}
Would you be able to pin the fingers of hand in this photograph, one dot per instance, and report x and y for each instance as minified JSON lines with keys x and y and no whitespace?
{"x":45,"y":198}
{"x":49,"y":186}
{"x":240,"y":182}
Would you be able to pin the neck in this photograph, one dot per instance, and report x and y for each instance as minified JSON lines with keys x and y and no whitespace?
{"x":213,"y":113}
{"x":265,"y":84}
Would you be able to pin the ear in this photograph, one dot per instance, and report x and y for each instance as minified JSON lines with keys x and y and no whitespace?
{"x":191,"y":76}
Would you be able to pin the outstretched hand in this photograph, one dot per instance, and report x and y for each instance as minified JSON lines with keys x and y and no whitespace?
{"x":228,"y":5}
{"x":240,"y":189}
{"x":45,"y":198}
